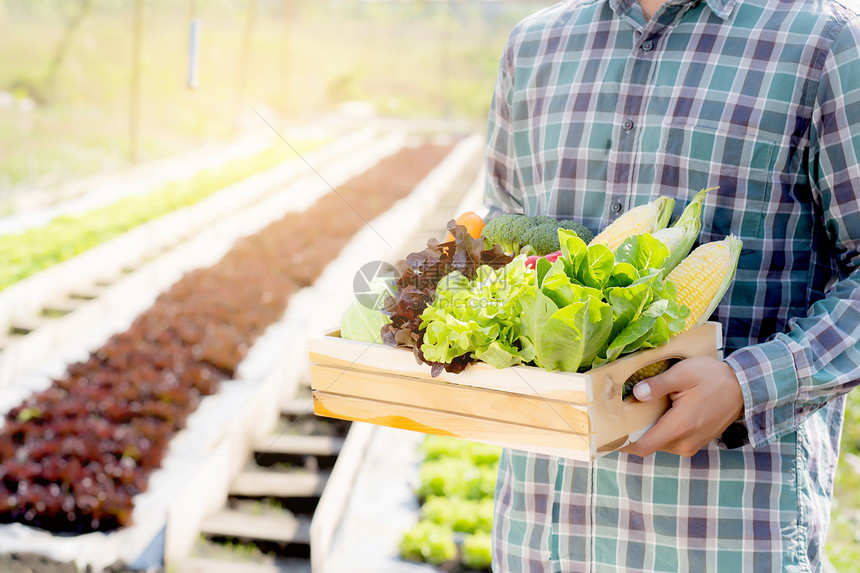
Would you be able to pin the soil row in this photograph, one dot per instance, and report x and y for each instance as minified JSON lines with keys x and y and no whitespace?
{"x":73,"y":456}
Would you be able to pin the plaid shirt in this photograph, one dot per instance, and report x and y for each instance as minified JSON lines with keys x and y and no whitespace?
{"x":596,"y":111}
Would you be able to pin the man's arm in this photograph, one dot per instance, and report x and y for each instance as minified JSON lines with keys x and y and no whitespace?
{"x":783,"y":380}
{"x":817,"y":358}
{"x":502,"y":191}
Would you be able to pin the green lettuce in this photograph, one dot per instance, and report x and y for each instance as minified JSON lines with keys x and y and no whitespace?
{"x":363,"y":322}
{"x":592,"y":305}
{"x":480,"y":316}
{"x":589,"y":266}
{"x":642,"y":252}
{"x":587,"y":308}
{"x":571,"y":336}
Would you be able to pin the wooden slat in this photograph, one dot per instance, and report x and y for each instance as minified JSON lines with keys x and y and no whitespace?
{"x":300,"y":445}
{"x":280,"y":528}
{"x":279,"y":484}
{"x":455,"y":398}
{"x":511,"y":406}
{"x":572,"y":387}
{"x":529,"y":381}
{"x":450,"y":424}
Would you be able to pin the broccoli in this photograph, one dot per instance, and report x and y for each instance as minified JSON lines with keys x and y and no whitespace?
{"x":507,"y":231}
{"x":581,"y":231}
{"x":544,"y":238}
{"x":528,"y":251}
{"x":513,"y":232}
{"x":541,"y":219}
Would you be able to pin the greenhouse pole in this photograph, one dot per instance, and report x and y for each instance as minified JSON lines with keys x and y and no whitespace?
{"x":193,"y":47}
{"x":134,"y":107}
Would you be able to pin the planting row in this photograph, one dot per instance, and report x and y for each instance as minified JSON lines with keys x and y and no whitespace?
{"x":24,"y":254}
{"x":457,"y":480}
{"x":73,"y":457}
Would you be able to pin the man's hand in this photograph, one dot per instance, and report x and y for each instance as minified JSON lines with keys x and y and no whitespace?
{"x":706,"y":398}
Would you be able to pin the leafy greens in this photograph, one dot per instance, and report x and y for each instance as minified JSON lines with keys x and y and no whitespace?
{"x":585,"y":309}
{"x":363,"y":320}
{"x":419,"y":275}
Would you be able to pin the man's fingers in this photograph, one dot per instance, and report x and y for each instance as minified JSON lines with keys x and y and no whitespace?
{"x":657,"y":386}
{"x":706,"y":398}
{"x":657,"y":438}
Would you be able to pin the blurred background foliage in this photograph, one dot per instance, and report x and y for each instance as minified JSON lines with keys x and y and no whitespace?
{"x":67,"y":71}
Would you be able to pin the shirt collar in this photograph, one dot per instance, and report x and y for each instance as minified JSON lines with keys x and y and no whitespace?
{"x":722,"y":8}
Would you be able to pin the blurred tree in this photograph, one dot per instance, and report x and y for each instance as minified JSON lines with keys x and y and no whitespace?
{"x":45,"y":92}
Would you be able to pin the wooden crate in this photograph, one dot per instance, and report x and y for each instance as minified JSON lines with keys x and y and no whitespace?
{"x":575,"y":415}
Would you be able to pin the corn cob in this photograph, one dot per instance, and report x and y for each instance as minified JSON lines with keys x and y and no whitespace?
{"x":672,"y":236}
{"x":701,"y":280}
{"x":703,"y":277}
{"x":679,"y":238}
{"x":642,"y":219}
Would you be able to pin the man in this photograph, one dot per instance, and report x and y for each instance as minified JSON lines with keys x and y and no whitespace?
{"x":602,"y":105}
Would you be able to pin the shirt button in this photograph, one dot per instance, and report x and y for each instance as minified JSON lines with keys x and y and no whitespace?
{"x":647,"y":45}
{"x":616,"y":207}
{"x":627,"y":125}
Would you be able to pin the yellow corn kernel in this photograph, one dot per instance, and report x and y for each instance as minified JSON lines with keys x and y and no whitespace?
{"x":648,"y":371}
{"x":703,"y":276}
{"x":642,"y":219}
{"x":701,"y":280}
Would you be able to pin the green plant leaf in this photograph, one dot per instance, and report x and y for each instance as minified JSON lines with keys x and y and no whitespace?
{"x":636,"y":332}
{"x":627,"y":304}
{"x":499,"y":355}
{"x":558,"y":286}
{"x":542,"y":267}
{"x":642,"y":251}
{"x":537,"y":308}
{"x":623,"y":274}
{"x":573,"y":335}
{"x":481,"y":316}
{"x":574,"y":253}
{"x":597,"y":267}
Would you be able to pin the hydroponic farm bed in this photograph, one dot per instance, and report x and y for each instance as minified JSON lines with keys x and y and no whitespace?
{"x":162,"y":249}
{"x":74,"y":456}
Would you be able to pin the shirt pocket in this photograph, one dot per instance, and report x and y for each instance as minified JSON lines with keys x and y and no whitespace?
{"x":739,"y":162}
